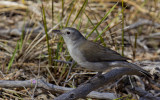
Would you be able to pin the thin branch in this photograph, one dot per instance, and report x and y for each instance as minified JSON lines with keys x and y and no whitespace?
{"x":83,"y":90}
{"x":144,"y":95}
{"x":42,"y":84}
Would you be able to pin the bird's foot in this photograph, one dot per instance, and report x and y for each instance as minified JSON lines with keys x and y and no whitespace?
{"x":101,"y":76}
{"x":98,"y":75}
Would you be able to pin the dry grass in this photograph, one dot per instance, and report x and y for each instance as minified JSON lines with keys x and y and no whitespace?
{"x":23,"y":21}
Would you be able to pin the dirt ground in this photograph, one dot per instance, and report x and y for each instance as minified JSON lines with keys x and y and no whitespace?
{"x":29,"y":50}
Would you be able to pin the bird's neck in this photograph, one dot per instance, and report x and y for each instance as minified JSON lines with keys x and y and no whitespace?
{"x":74,"y":51}
{"x":74,"y":43}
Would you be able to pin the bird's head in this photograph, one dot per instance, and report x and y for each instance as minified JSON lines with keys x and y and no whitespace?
{"x":69,"y":34}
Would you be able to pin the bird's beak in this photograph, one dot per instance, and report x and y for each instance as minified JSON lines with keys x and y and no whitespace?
{"x":58,"y":32}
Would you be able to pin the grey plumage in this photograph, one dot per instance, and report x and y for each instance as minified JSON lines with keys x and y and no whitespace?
{"x":99,"y":53}
{"x":93,"y":56}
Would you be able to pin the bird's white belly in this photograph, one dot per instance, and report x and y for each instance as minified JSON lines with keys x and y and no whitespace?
{"x":94,"y":66}
{"x":76,"y":54}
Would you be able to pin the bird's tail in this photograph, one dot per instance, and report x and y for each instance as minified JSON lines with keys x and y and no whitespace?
{"x":130,"y":65}
{"x":139,"y":69}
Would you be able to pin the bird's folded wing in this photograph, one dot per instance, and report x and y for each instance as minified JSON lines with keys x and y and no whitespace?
{"x":96,"y":53}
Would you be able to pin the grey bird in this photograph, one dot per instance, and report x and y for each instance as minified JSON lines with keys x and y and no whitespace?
{"x":91,"y":55}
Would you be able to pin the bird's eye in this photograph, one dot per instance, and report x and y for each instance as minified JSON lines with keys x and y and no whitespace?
{"x":68,"y":32}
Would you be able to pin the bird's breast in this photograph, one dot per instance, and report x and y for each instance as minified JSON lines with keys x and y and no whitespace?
{"x":76,"y":54}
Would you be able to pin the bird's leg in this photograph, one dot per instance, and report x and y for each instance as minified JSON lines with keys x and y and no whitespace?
{"x":98,"y":75}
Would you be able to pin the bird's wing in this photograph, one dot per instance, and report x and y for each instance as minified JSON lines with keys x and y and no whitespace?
{"x":96,"y":53}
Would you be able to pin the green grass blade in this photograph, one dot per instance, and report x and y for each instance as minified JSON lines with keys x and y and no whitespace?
{"x":107,"y":26}
{"x":13,"y":56}
{"x":122,"y":29}
{"x":47,"y":39}
{"x":79,"y":11}
{"x":106,"y":15}
{"x":102,"y":40}
{"x":135,"y":46}
{"x":80,"y":20}
{"x":70,"y":12}
{"x":62,"y":14}
{"x":52,"y":12}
